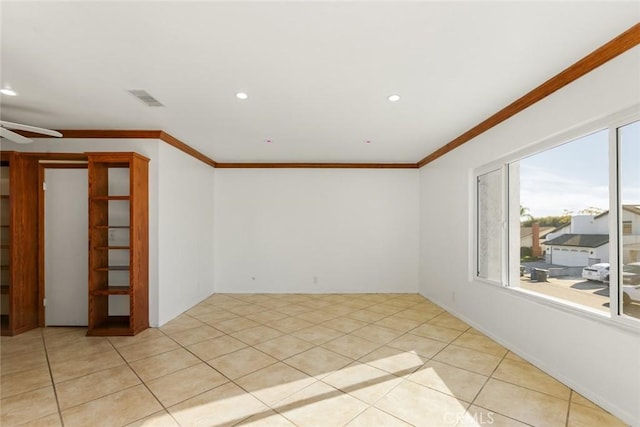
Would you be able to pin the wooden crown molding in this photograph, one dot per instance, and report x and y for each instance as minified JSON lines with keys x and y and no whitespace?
{"x":317,"y":165}
{"x":603,"y":54}
{"x":620,"y":44}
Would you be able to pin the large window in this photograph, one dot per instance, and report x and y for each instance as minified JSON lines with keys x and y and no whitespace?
{"x":563,"y":221}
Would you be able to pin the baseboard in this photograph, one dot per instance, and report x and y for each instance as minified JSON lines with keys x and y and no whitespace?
{"x":588,"y":393}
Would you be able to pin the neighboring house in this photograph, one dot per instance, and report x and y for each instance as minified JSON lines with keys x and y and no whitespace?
{"x":527,"y":238}
{"x":578,"y":250}
{"x":586,"y":240}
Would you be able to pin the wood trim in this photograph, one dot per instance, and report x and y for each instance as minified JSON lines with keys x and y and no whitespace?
{"x":620,"y":44}
{"x":317,"y":165}
{"x":128,"y":134}
{"x":56,"y":156}
{"x":175,"y":142}
{"x":603,"y":54}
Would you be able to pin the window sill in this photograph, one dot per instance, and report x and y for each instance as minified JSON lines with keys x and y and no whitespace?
{"x":625,"y":323}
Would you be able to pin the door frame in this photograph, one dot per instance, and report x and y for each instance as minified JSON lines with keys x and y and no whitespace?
{"x":42,"y":165}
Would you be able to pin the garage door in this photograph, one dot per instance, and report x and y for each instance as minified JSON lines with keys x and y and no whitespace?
{"x":570,"y":257}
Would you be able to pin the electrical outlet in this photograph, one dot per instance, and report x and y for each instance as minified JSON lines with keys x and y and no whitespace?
{"x":315,"y":280}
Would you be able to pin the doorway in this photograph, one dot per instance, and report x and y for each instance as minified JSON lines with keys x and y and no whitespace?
{"x":64,"y":219}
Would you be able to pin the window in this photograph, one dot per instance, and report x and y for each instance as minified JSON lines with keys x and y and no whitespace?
{"x":566,"y":199}
{"x":566,"y":184}
{"x":489,"y":247}
{"x":628,"y":139}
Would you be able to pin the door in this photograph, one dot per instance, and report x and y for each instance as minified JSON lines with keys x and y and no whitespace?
{"x":65,"y":247}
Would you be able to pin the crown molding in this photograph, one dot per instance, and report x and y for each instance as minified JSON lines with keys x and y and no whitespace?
{"x":603,"y":54}
{"x":615,"y":47}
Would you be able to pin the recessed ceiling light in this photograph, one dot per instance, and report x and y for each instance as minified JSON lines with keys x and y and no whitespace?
{"x":394,"y":98}
{"x":367,"y":141}
{"x":8,"y":92}
{"x":241,"y":95}
{"x":268,"y":141}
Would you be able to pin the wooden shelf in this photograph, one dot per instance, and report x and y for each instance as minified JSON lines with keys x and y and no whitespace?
{"x":112,"y":325}
{"x":102,"y":243}
{"x":112,"y":290}
{"x":113,"y":268}
{"x":19,"y":228}
{"x":98,"y":198}
{"x":112,"y":248}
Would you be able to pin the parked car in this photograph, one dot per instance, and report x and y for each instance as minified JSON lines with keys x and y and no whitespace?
{"x":631,"y":273}
{"x":597,"y":272}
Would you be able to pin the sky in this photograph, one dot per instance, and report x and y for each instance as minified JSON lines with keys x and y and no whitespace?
{"x":575,"y":175}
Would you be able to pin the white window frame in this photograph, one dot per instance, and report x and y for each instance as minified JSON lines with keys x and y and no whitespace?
{"x":491,"y":167}
{"x":615,"y":221}
{"x":610,"y":122}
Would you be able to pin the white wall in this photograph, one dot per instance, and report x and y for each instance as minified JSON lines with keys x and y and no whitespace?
{"x":180,"y":248}
{"x":316,"y":230}
{"x":186,"y":232}
{"x":598,"y":359}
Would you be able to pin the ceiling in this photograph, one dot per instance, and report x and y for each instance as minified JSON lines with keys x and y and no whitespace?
{"x":318,"y":74}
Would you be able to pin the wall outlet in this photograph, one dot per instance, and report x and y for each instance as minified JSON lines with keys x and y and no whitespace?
{"x":315,"y":280}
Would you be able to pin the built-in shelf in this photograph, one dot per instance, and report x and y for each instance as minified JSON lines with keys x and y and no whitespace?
{"x":113,"y":325}
{"x":106,"y":246}
{"x":112,"y":248}
{"x":112,"y":290}
{"x":113,"y":268}
{"x":111,"y":198}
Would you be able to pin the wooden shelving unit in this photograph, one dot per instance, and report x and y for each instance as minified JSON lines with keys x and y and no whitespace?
{"x":18,"y":243}
{"x":118,"y":224}
{"x":5,"y":239}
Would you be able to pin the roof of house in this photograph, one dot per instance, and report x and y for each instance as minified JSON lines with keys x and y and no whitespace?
{"x":584,"y":240}
{"x":629,"y":208}
{"x":526,"y":231}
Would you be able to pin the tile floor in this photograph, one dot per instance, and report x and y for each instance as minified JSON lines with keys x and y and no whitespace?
{"x":285,"y":360}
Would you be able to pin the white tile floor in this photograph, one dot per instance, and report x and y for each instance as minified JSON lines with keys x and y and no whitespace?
{"x":283,"y":360}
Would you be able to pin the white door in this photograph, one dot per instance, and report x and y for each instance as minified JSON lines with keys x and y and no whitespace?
{"x":66,"y":247}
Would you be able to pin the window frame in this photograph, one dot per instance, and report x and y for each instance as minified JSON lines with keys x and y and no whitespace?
{"x":611,"y":123}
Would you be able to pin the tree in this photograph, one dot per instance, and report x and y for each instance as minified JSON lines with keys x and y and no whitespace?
{"x":525,"y":214}
{"x":591,"y":211}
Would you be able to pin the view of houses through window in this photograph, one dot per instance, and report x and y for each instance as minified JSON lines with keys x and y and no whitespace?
{"x":561,"y":235}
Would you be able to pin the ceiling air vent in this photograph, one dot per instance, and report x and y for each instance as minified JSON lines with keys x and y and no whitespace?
{"x":145,"y":97}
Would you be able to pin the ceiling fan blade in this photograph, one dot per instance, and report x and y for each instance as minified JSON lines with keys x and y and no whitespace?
{"x":34,"y":129}
{"x":14,"y":137}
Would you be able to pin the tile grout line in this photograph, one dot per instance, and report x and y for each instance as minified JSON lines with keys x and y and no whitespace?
{"x":569,"y":407}
{"x":402,"y":333}
{"x":53,"y":384}
{"x":143,"y":383}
